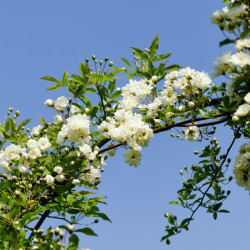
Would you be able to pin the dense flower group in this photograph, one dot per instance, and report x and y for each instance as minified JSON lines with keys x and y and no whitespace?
{"x":242,"y":167}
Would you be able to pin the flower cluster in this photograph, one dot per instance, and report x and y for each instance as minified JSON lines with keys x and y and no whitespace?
{"x":14,"y":155}
{"x":76,"y":130}
{"x":229,"y":17}
{"x":242,"y":167}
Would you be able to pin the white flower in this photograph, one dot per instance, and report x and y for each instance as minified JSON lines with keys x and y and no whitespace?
{"x":23,"y":169}
{"x":34,"y":153}
{"x":218,"y":16}
{"x":92,"y":175}
{"x":222,"y":64}
{"x":49,"y":179}
{"x":58,"y":169}
{"x":191,"y":133}
{"x":244,"y":43}
{"x":76,"y":130}
{"x":247,"y":98}
{"x":241,"y":59}
{"x":36,"y":130}
{"x":76,"y":182}
{"x":58,"y":119}
{"x":31,"y":143}
{"x":74,"y":109}
{"x":43,"y":143}
{"x":235,"y":12}
{"x":49,"y":103}
{"x":132,"y":157}
{"x":12,"y":152}
{"x":60,"y":178}
{"x":154,"y":79}
{"x":61,"y":103}
{"x":243,"y":110}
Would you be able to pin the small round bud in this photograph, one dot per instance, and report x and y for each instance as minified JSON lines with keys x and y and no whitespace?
{"x":86,"y":111}
{"x":61,"y":234}
{"x":72,"y":163}
{"x":185,"y":168}
{"x":70,"y":100}
{"x":86,"y":60}
{"x":172,"y":134}
{"x":228,"y":160}
{"x":166,"y":215}
{"x":235,"y":118}
{"x":230,"y":178}
{"x":101,"y":62}
{"x":196,"y":152}
{"x":93,"y":57}
{"x":96,"y":61}
{"x":17,"y":113}
{"x":191,"y":104}
{"x":57,"y":230}
{"x":228,"y":192}
{"x":28,"y":130}
{"x":94,"y":123}
{"x":14,"y":116}
{"x":181,"y":172}
{"x":52,"y":231}
{"x":168,"y":242}
{"x":10,"y":109}
{"x":106,"y":59}
{"x":70,"y":228}
{"x":96,"y":221}
{"x":154,"y":79}
{"x":111,"y":64}
{"x":17,"y":193}
{"x":66,"y":150}
{"x":49,"y":103}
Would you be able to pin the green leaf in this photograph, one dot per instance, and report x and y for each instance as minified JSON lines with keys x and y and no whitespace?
{"x":42,"y":120}
{"x":49,"y":78}
{"x":91,"y":90}
{"x":111,"y":86}
{"x":116,"y":94}
{"x":84,"y":69}
{"x":128,"y":64}
{"x":154,"y":47}
{"x":161,"y":57}
{"x":174,"y":203}
{"x":70,"y":198}
{"x":226,"y":41}
{"x":226,"y":1}
{"x":215,"y":215}
{"x":53,"y":87}
{"x":23,"y":123}
{"x":87,"y":231}
{"x":210,"y":196}
{"x":65,"y":78}
{"x":140,"y":54}
{"x":223,"y":211}
{"x":74,"y":240}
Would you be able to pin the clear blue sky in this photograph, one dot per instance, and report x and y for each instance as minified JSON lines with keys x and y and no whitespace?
{"x":40,"y":38}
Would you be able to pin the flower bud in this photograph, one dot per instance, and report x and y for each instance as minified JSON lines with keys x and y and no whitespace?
{"x":154,"y":79}
{"x":17,"y":193}
{"x":70,"y":228}
{"x":86,"y":111}
{"x":93,"y":57}
{"x":111,"y":64}
{"x":181,"y":172}
{"x":17,"y":113}
{"x":57,"y":230}
{"x":106,"y":59}
{"x":49,"y":103}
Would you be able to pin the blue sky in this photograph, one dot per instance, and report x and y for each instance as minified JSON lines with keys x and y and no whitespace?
{"x":40,"y":38}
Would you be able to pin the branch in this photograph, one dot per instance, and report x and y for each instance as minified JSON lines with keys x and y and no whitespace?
{"x":210,"y":185}
{"x":178,"y":124}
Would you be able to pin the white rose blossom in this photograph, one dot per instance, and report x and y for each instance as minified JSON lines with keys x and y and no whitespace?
{"x":61,"y":103}
{"x":191,"y":133}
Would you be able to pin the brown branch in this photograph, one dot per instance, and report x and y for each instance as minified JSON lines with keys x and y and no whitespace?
{"x":178,"y":124}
